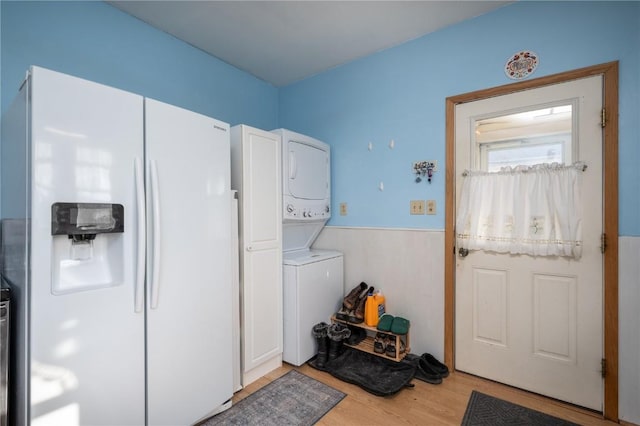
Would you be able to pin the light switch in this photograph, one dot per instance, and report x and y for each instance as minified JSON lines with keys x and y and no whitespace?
{"x":416,"y":207}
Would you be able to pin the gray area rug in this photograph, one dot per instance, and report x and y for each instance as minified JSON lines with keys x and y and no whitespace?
{"x":485,"y":410}
{"x":293,"y":399}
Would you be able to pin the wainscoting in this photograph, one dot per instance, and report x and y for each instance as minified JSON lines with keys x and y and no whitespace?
{"x":407,"y":265}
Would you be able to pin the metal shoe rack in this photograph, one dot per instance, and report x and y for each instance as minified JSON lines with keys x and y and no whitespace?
{"x":367,"y":344}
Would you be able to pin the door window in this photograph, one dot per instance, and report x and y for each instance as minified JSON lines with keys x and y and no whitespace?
{"x":540,"y":135}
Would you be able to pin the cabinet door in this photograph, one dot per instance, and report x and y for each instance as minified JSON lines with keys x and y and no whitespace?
{"x":262,"y":190}
{"x":262,"y":246}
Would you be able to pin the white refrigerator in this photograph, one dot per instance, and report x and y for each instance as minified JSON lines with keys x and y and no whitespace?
{"x":121,"y":207}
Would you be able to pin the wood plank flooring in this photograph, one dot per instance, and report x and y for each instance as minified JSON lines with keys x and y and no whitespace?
{"x":423,"y":404}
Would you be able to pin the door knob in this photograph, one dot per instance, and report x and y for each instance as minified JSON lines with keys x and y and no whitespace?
{"x":463,"y":252}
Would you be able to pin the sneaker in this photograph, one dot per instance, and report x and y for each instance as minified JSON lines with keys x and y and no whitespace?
{"x":390,"y":350}
{"x":379,"y":343}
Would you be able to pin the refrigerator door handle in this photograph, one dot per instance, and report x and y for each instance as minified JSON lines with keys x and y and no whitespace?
{"x":155,"y":274}
{"x":138,"y":297}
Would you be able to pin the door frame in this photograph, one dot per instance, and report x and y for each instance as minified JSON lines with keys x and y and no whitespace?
{"x":609,"y":72}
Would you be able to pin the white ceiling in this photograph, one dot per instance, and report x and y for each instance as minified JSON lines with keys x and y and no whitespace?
{"x":285,"y":41}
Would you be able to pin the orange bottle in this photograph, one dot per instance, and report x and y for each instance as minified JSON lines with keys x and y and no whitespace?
{"x":374,"y":308}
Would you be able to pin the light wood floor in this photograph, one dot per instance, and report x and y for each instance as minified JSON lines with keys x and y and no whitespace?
{"x":423,"y":404}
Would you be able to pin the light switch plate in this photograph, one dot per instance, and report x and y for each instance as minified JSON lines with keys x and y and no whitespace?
{"x":416,"y":207}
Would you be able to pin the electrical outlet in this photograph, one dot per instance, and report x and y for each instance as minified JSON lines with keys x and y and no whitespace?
{"x":416,"y":207}
{"x":343,"y":209}
{"x":431,"y":206}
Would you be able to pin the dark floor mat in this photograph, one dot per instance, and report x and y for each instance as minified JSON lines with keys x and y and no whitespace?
{"x":486,"y":410}
{"x":372,"y":373}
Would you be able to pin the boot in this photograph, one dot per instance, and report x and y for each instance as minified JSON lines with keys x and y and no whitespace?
{"x":356,"y":316}
{"x":320,"y":334}
{"x":337,"y":333}
{"x":351,"y":299}
{"x":361,"y":304}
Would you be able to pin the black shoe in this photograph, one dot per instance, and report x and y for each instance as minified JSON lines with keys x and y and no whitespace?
{"x":425,"y":373}
{"x":358,"y":334}
{"x":435,"y":365}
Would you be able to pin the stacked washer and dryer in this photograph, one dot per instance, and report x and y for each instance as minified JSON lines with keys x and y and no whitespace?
{"x":312,"y":279}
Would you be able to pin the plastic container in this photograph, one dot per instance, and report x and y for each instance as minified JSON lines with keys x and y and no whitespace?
{"x":374,"y":308}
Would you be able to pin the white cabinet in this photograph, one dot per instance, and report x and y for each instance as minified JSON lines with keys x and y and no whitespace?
{"x":257,"y":176}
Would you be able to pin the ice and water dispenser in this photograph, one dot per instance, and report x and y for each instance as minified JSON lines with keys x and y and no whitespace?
{"x":87,"y":247}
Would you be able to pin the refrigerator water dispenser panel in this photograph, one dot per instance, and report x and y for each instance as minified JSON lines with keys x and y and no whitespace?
{"x":82,"y":260}
{"x":84,"y":220}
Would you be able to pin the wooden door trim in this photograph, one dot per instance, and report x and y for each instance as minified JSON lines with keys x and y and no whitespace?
{"x":609,"y":71}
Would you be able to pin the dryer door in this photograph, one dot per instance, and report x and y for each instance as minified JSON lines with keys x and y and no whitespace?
{"x":308,"y":171}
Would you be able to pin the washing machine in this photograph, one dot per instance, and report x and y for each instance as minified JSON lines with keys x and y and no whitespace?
{"x":313,"y":280}
{"x":312,"y":293}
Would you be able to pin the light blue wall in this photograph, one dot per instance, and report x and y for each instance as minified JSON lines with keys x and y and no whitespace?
{"x":400,"y":94}
{"x":96,"y":41}
{"x":396,"y":94}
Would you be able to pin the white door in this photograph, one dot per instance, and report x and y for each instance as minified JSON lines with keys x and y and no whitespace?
{"x":87,"y":340}
{"x":535,"y":322}
{"x":189,"y":343}
{"x":261,"y":252}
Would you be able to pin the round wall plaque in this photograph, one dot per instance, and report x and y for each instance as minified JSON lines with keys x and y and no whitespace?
{"x":521,"y":64}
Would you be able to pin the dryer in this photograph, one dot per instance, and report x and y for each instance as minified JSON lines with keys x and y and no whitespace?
{"x":313,"y":284}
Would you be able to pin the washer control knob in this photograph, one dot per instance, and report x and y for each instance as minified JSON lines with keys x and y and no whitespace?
{"x":289,"y":208}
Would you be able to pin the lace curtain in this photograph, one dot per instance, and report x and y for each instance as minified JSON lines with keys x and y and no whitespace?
{"x":522,"y":210}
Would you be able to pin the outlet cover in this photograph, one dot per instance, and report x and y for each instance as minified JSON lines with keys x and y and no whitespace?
{"x":431,"y":206}
{"x":343,"y":209}
{"x":416,"y":207}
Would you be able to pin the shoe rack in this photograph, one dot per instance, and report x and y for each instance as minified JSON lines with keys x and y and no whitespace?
{"x":367,"y":344}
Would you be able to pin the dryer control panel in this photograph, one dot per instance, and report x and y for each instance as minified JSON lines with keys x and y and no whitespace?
{"x":296,"y":209}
